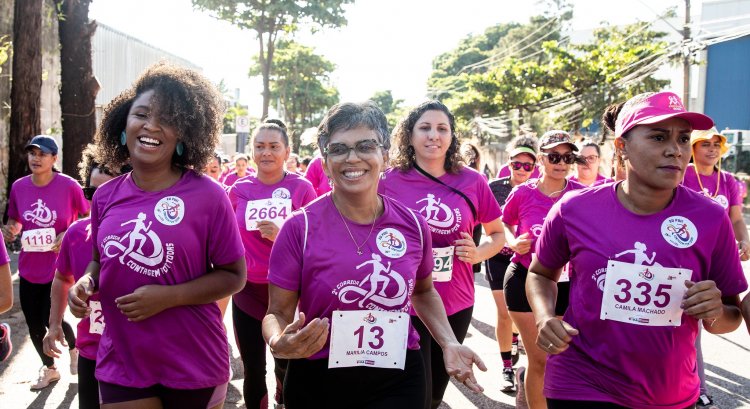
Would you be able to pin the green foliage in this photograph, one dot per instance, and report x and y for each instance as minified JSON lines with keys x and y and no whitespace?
{"x":392,"y":108}
{"x":231,"y":116}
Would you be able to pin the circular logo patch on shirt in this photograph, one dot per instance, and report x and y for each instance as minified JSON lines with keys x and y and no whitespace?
{"x":170,"y":210}
{"x":679,"y":232}
{"x":391,"y":243}
{"x":722,"y":200}
{"x":536,"y":230}
{"x":281,"y":193}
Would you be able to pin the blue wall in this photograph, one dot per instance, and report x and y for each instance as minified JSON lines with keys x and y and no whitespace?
{"x":728,"y":84}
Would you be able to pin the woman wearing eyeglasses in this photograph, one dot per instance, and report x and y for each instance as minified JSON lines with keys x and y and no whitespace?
{"x":522,"y":152}
{"x":261,"y":203}
{"x":587,"y":166}
{"x":355,"y":262}
{"x":428,"y":176}
{"x":523,"y":215}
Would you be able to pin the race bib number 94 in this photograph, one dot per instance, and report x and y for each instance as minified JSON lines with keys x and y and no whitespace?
{"x":643,"y":295}
{"x":442,"y":270}
{"x":273,"y":210}
{"x":368,"y":338}
{"x":38,"y":240}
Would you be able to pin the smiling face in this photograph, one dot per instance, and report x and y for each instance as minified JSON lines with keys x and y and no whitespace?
{"x":150,"y":141}
{"x":353,"y":172}
{"x":213,"y":168}
{"x":269,"y":152}
{"x":589,"y":169}
{"x":708,"y":152}
{"x":521,"y":175}
{"x":39,"y":162}
{"x":431,"y":136}
{"x":657,"y":154}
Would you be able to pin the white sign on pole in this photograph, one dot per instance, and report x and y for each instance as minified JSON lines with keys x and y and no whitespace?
{"x":242,"y":124}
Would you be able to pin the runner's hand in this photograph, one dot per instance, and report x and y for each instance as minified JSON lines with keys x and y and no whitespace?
{"x":521,"y":244}
{"x":268,"y":230}
{"x":459,"y":360}
{"x":298,"y":340}
{"x":58,"y":242}
{"x":78,"y":296}
{"x":702,"y":300}
{"x":744,"y":248}
{"x":54,"y":334}
{"x":11,"y":230}
{"x":145,"y":302}
{"x":554,"y":335}
{"x":466,"y":250}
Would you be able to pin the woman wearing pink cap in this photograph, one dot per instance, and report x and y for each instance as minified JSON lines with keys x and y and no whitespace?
{"x":41,"y":207}
{"x":523,"y":214}
{"x":636,"y":297}
{"x":262,"y":202}
{"x":166,"y":247}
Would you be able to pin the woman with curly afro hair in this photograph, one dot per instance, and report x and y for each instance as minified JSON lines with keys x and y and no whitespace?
{"x":167,"y":247}
{"x":429,"y":177}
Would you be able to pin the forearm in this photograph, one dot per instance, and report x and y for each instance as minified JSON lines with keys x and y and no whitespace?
{"x":740,"y":231}
{"x":274,"y":323}
{"x":490,"y":245}
{"x":541,"y":292}
{"x":746,"y":311}
{"x":730,"y":320}
{"x":58,"y":298}
{"x":510,"y":233}
{"x":430,"y":309}
{"x":92,"y":273}
{"x":6,"y":288}
{"x":208,"y":288}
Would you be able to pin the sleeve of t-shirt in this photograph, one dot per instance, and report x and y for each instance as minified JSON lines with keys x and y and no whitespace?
{"x":726,"y":270}
{"x":233,"y":199}
{"x":425,"y":267}
{"x":13,"y":212}
{"x":309,"y":195}
{"x":735,"y":196}
{"x":4,"y":258}
{"x":489,"y":210}
{"x":285,"y":264}
{"x":509,"y":212}
{"x":62,"y":264}
{"x":81,"y":204}
{"x":552,"y":249}
{"x":95,"y":214}
{"x":224,"y":243}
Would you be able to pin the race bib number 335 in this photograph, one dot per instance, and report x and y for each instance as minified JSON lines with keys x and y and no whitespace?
{"x":644,"y":295}
{"x":368,"y":338}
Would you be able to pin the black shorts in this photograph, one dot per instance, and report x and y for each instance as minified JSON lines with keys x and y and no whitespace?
{"x":170,"y":398}
{"x":514,"y":287}
{"x":495,"y":267}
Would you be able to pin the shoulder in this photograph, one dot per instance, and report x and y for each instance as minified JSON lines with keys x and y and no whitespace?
{"x":705,"y":206}
{"x":64,"y":179}
{"x":586,"y":196}
{"x":22,"y":182}
{"x":79,"y":226}
{"x":297,"y":179}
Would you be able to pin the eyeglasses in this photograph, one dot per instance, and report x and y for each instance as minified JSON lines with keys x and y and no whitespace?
{"x":88,"y":192}
{"x":555,"y":158}
{"x":589,"y":159}
{"x":528,"y":167}
{"x":363,"y":149}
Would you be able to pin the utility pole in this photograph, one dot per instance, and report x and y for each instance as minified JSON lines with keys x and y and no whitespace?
{"x":686,"y":57}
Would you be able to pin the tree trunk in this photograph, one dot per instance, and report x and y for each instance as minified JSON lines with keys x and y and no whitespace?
{"x":78,"y":85}
{"x":26,"y":88}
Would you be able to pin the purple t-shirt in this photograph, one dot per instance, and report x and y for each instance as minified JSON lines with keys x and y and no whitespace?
{"x":162,"y":238}
{"x":527,"y":208}
{"x":447,"y":215}
{"x":315,"y":256}
{"x":4,"y":258}
{"x":56,"y":205}
{"x":293,"y":188}
{"x":75,"y":255}
{"x":317,"y":176}
{"x":729,"y":193}
{"x":632,"y":365}
{"x":600,"y":180}
{"x":505,"y":172}
{"x":233,"y":177}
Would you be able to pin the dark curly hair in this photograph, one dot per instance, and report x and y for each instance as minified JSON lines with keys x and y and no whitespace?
{"x":186,"y":100}
{"x":404,"y":156}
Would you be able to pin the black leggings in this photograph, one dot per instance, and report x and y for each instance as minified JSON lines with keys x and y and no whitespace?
{"x":249,"y":336}
{"x":88,"y":386}
{"x":572,"y":404}
{"x":35,"y":304}
{"x":432,"y":355}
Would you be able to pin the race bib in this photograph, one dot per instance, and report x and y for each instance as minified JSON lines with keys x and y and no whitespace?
{"x":38,"y":240}
{"x":368,"y":338}
{"x":442,"y":270}
{"x":96,"y":319}
{"x":643,"y":295}
{"x":273,"y":210}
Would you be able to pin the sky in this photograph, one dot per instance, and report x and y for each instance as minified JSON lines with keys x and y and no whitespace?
{"x":386,"y":45}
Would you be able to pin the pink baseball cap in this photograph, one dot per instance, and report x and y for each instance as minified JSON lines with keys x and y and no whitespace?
{"x":653,"y":107}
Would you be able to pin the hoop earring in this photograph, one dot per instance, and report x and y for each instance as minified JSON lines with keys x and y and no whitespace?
{"x":180,"y":148}
{"x":123,"y":139}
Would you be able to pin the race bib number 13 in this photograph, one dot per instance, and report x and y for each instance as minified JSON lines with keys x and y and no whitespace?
{"x":644,"y":295}
{"x":368,"y":338}
{"x":273,"y":210}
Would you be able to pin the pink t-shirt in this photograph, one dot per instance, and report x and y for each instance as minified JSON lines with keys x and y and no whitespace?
{"x":600,"y":180}
{"x":162,"y":238}
{"x":447,"y":215}
{"x":317,"y":176}
{"x":649,"y":367}
{"x":297,"y":190}
{"x":315,"y":256}
{"x":527,"y":208}
{"x":728,"y":195}
{"x":56,"y":205}
{"x":505,"y":172}
{"x":231,"y":178}
{"x":74,"y":256}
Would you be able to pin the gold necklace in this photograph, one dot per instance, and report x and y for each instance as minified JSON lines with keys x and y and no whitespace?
{"x":372,"y":226}
{"x":700,"y":183}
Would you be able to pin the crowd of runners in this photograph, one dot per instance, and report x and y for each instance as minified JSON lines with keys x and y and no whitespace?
{"x":356,"y":267}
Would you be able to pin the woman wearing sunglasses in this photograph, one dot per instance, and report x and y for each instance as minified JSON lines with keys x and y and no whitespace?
{"x":522,"y":152}
{"x":587,"y":166}
{"x":523,"y":215}
{"x":638,"y":295}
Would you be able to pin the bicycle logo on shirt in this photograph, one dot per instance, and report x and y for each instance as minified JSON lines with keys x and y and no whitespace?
{"x":140,"y":249}
{"x":374,"y":291}
{"x":440,"y":217}
{"x":40,"y":214}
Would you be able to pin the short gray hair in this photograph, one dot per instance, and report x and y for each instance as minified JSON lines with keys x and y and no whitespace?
{"x":349,"y":115}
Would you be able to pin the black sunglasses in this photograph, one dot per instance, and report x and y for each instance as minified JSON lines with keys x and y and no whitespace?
{"x":525,"y":165}
{"x":88,"y":192}
{"x":555,"y":158}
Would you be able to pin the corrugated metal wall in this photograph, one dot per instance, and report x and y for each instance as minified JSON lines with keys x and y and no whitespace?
{"x":728,"y":84}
